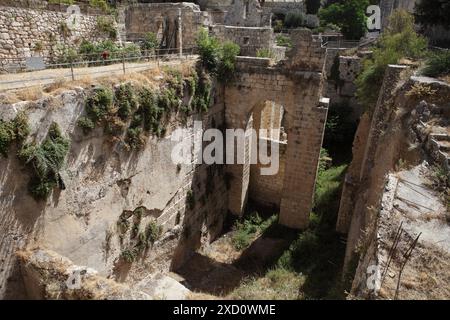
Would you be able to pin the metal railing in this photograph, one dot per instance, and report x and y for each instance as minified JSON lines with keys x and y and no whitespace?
{"x":346,"y":44}
{"x":18,"y":64}
{"x":93,"y":65}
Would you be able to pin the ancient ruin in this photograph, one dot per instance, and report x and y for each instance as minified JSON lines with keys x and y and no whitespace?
{"x":98,"y":101}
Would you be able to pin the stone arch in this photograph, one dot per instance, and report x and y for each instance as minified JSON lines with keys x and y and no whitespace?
{"x":305,"y":116}
{"x":246,"y":177}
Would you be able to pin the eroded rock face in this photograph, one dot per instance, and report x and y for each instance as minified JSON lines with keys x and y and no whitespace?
{"x":389,"y":186}
{"x":103,"y":183}
{"x":48,"y":275}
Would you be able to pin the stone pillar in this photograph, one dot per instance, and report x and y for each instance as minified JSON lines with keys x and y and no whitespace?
{"x":239,"y":175}
{"x":180,"y":34}
{"x":303,"y":151}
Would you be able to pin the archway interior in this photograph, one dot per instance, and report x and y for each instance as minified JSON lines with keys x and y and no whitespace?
{"x":268,"y":121}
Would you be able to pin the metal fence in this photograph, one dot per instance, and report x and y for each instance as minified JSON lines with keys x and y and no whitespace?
{"x":20,"y":64}
{"x":94,"y":65}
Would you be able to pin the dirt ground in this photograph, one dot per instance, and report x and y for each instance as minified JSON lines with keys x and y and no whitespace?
{"x":219,"y":269}
{"x":422,"y":210}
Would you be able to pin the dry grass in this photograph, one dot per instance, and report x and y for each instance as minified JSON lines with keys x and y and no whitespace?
{"x":30,"y":93}
{"x":201,"y":296}
{"x":84,"y":81}
{"x":409,"y":62}
{"x":57,"y":84}
{"x":445,"y":79}
{"x":222,"y":250}
{"x":8,"y":98}
{"x":420,"y":91}
{"x":150,"y":78}
{"x":278,"y":284}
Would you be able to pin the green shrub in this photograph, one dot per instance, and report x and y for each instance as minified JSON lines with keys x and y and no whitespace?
{"x":264,"y":53}
{"x":68,"y":2}
{"x":349,"y":15}
{"x":45,"y":162}
{"x":151,"y":112}
{"x":125,"y":101}
{"x":21,"y":126}
{"x":168,"y":100}
{"x":123,"y":225}
{"x":228,"y":61}
{"x":7,"y":136}
{"x":150,"y":42}
{"x":98,"y":104}
{"x":398,"y":41}
{"x":86,"y":124}
{"x":152,"y":232}
{"x":129,"y":255}
{"x":130,"y":51}
{"x":202,"y":98}
{"x":88,"y":51}
{"x":17,"y":129}
{"x":294,"y":20}
{"x":438,"y":64}
{"x":92,"y":52}
{"x":284,"y":41}
{"x":135,"y":138}
{"x":114,"y":126}
{"x":278,"y":25}
{"x":106,"y":25}
{"x":175,"y":77}
{"x":246,"y":230}
{"x":209,"y":50}
{"x":64,"y":29}
{"x":107,"y":46}
{"x":102,"y":4}
{"x":192,"y":83}
{"x":218,"y":59}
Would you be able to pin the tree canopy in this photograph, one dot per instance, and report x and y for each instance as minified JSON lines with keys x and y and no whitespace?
{"x":433,"y":12}
{"x":349,"y":15}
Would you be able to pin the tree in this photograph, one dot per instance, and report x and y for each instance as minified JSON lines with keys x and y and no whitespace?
{"x":294,"y":19}
{"x":312,"y":6}
{"x":217,"y":58}
{"x":433,"y":12}
{"x":398,"y":41}
{"x":209,"y":49}
{"x":350,"y":16}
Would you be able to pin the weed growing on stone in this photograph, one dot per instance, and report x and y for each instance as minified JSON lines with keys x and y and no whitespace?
{"x":17,"y":129}
{"x":45,"y":162}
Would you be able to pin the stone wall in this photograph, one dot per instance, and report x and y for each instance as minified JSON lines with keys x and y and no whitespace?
{"x":33,"y":32}
{"x":247,"y":13}
{"x":162,"y":19}
{"x":285,"y":6}
{"x":104,"y":182}
{"x":249,"y":39}
{"x":268,"y":190}
{"x":342,"y":71}
{"x":387,"y":6}
{"x":360,"y":171}
{"x":46,"y":5}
